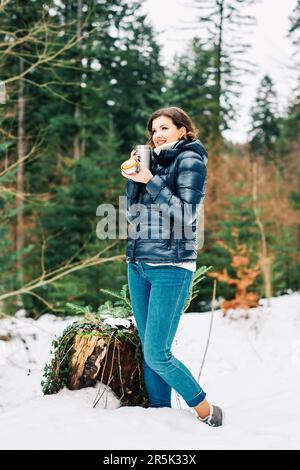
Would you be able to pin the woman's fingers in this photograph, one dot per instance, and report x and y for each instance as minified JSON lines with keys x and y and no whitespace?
{"x":133,"y":155}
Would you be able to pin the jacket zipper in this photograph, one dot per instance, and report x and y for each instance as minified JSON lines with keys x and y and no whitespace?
{"x":134,"y":241}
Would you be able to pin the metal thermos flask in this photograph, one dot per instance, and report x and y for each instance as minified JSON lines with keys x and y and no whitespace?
{"x":143,"y":154}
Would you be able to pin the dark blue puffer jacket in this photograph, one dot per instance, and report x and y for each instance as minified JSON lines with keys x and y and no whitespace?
{"x":164,"y":213}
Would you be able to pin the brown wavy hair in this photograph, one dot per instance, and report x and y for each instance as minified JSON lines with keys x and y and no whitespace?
{"x":179,"y":118}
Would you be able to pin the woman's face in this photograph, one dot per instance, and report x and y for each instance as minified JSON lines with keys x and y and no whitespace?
{"x":164,"y":131}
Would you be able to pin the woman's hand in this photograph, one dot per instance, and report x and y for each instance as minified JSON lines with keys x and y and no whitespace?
{"x":143,"y":176}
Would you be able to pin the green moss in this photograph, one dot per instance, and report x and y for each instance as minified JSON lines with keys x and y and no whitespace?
{"x":56,"y":373}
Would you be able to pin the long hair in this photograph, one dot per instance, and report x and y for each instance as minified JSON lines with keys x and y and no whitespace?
{"x":179,"y":118}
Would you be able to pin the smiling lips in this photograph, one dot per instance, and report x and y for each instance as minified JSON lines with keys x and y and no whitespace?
{"x":161,"y":142}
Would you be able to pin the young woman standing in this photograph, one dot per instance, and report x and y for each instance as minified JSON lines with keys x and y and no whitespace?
{"x":161,"y":264}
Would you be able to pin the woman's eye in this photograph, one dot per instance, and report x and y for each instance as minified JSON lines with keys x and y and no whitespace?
{"x":163,"y":128}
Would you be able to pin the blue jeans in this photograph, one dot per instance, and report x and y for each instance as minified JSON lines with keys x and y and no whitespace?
{"x":158,"y":296}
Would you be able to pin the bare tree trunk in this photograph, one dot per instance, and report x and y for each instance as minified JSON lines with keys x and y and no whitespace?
{"x":216,"y":144}
{"x":77,"y":149}
{"x":219,"y":65}
{"x":20,"y":177}
{"x":77,"y":139}
{"x":265,"y":260}
{"x":59,"y":160}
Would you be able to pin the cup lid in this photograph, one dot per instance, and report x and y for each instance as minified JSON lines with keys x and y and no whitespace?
{"x":128,"y":164}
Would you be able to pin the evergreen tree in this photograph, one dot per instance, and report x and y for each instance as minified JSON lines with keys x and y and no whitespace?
{"x":240,"y":217}
{"x":223,"y":25}
{"x":81,"y":117}
{"x":294,"y":28}
{"x":286,"y":265}
{"x":27,"y":38}
{"x":264,"y":131}
{"x":292,"y":124}
{"x":192,"y":86}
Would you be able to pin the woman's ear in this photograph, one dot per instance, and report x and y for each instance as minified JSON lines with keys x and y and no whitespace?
{"x":183,"y":133}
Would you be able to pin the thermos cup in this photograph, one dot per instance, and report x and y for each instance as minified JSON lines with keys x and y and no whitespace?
{"x":143,"y":154}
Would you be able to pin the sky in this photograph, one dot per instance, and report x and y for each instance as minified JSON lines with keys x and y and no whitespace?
{"x":271,"y":51}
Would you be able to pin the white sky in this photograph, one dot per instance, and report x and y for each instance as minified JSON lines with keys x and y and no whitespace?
{"x":271,"y":50}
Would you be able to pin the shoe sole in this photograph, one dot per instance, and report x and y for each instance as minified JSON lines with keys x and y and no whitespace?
{"x":224,"y":417}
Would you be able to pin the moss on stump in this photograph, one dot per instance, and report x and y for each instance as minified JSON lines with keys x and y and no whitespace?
{"x":95,"y":351}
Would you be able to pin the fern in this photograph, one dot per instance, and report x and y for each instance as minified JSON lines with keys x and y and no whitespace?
{"x":78,"y":309}
{"x":112,"y":293}
{"x":198,"y":276}
{"x":121,"y":308}
{"x":122,"y":296}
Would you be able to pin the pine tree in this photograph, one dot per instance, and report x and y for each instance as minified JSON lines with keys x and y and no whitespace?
{"x":286,"y":266}
{"x":82,"y":126}
{"x":294,"y":28}
{"x":264,"y":131}
{"x":27,"y":38}
{"x":292,"y":127}
{"x":223,"y":25}
{"x":192,"y":87}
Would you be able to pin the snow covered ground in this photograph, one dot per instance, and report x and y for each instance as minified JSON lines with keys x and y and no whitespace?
{"x":252,"y":370}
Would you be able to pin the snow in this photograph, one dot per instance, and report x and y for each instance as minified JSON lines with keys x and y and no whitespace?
{"x":252,"y":370}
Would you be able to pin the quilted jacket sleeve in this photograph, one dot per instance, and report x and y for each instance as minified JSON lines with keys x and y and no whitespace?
{"x":190,"y":188}
{"x":132,"y":193}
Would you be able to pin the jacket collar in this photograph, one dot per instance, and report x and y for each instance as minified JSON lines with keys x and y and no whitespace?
{"x":169,"y":145}
{"x":167,"y":155}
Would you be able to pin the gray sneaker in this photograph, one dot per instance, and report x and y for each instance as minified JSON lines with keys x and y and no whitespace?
{"x":215,"y":417}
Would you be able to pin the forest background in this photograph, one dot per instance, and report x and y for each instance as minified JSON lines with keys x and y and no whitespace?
{"x":78,"y":81}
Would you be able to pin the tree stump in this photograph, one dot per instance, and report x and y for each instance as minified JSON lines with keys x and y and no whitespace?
{"x":91,"y":352}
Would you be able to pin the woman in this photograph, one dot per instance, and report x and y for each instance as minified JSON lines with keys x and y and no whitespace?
{"x":160,"y":268}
